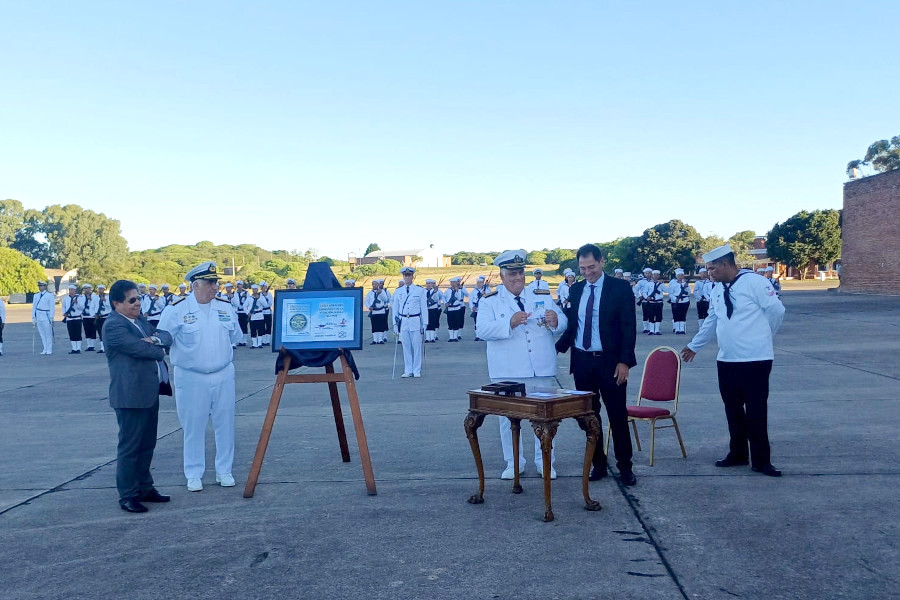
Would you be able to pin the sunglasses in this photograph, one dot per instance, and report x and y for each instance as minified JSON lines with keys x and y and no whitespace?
{"x":133,"y":300}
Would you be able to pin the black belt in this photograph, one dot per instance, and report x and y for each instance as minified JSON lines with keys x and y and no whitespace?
{"x":596,"y":353}
{"x":411,"y":316}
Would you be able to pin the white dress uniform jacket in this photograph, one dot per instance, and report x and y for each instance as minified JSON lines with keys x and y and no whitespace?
{"x":459,"y":296}
{"x":238,"y":300}
{"x":383,"y":301}
{"x":526,"y":351}
{"x":202,"y":338}
{"x":702,"y":289}
{"x":679,"y":293}
{"x":73,"y":307}
{"x":410,"y":306}
{"x":538,"y":284}
{"x":256,"y":314}
{"x":748,"y":335}
{"x":154,"y":307}
{"x":562,"y":294}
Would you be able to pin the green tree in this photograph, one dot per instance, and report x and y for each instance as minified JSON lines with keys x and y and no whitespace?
{"x":12,"y":219}
{"x":559,"y":255}
{"x":536,"y":257}
{"x":623,"y":254}
{"x":883,"y":155}
{"x":669,"y":245}
{"x":806,"y":238}
{"x":371,"y":248}
{"x":741,"y":243}
{"x":18,"y":273}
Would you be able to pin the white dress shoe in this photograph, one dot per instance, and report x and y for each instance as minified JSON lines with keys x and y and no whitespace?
{"x":416,"y":375}
{"x":508,"y":473}
{"x":194,"y":484}
{"x":552,"y":473}
{"x":225,"y":479}
{"x":406,"y":375}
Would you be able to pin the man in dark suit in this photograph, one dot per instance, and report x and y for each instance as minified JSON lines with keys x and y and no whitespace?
{"x":135,"y":352}
{"x":601,"y":334}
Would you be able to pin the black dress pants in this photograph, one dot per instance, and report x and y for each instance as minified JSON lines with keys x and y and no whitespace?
{"x":595,"y":372}
{"x":137,"y":440}
{"x":745,"y":391}
{"x":243,"y":319}
{"x":74,"y":328}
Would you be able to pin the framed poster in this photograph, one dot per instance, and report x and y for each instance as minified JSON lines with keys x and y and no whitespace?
{"x":318,"y":319}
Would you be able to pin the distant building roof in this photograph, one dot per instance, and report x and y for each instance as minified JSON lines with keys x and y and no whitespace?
{"x":380,"y":253}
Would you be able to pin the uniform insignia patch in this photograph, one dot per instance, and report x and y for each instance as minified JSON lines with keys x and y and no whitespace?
{"x":223,"y":300}
{"x":190,"y":318}
{"x":542,"y":292}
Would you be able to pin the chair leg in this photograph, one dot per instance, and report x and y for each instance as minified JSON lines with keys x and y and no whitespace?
{"x":678,"y":433}
{"x":652,"y":439}
{"x":637,"y":439}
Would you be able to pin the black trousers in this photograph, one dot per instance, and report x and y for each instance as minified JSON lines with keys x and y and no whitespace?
{"x":1,"y":332}
{"x":90,"y":328}
{"x":242,"y":322}
{"x":98,"y":325}
{"x":595,"y":373}
{"x":745,"y":391}
{"x":645,"y":313}
{"x":137,"y":440}
{"x":654,"y":312}
{"x":74,"y":328}
{"x":456,"y":319}
{"x":702,"y":309}
{"x":267,"y":323}
{"x":434,"y":319}
{"x":379,"y":322}
{"x":257,"y":328}
{"x":679,"y":311}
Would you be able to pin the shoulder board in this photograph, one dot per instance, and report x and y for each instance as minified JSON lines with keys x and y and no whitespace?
{"x":541,"y":292}
{"x":489,"y":294}
{"x":177,"y":301}
{"x":226,"y":301}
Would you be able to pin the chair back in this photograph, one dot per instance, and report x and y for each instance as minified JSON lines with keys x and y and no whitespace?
{"x":662,"y":376}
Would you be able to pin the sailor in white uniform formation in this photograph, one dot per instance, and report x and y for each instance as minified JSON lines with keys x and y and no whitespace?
{"x":702,"y":291}
{"x":519,"y":326}
{"x":378,"y":302}
{"x":652,"y":295}
{"x":481,"y":288}
{"x":562,"y":291}
{"x":154,"y":305}
{"x":43,"y":313}
{"x":455,"y":307}
{"x":646,"y":277}
{"x":204,"y":328}
{"x":255,"y":306}
{"x":435,"y":302}
{"x":409,"y":307}
{"x":679,"y":292}
{"x":73,"y":309}
{"x":266,"y":294}
{"x":238,"y":301}
{"x":744,"y":314}
{"x":104,"y":308}
{"x":538,"y":283}
{"x":89,"y":317}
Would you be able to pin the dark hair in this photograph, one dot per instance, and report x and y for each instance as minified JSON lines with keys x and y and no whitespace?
{"x":727,"y":259}
{"x":589,"y":249}
{"x":118,"y":290}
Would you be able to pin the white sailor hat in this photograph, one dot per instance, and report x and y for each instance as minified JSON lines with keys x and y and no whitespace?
{"x":646,"y":270}
{"x":406,"y":270}
{"x":86,"y":286}
{"x":72,"y":286}
{"x":702,"y":270}
{"x":254,"y":287}
{"x":618,"y":271}
{"x":228,"y":284}
{"x":679,"y":271}
{"x":346,"y":282}
{"x":181,"y":285}
{"x":263,"y":283}
{"x":142,"y":285}
{"x":770,"y":269}
{"x":627,"y":274}
{"x":165,"y":286}
{"x":430,"y":281}
{"x":537,"y":271}
{"x":152,"y":286}
{"x":455,"y":279}
{"x":101,"y":287}
{"x":568,"y":272}
{"x":511,"y":259}
{"x":205,"y":270}
{"x":654,"y":272}
{"x":717,"y":253}
{"x":289,"y":280}
{"x":378,"y":281}
{"x":481,"y":278}
{"x":239,"y":282}
{"x":42,"y":283}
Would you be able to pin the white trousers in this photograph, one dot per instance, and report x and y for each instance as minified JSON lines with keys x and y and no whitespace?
{"x":199,"y":397}
{"x":45,"y":329}
{"x":506,"y":427}
{"x":412,"y":351}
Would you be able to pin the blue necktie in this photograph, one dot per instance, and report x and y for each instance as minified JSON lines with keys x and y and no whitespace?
{"x":588,"y":321}
{"x":519,"y":302}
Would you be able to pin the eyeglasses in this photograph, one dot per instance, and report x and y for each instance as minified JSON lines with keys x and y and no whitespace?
{"x":133,"y":299}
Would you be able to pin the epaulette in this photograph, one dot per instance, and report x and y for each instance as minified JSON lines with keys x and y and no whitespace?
{"x":177,"y":301}
{"x":489,"y":294}
{"x":223,"y":300}
{"x":542,"y":292}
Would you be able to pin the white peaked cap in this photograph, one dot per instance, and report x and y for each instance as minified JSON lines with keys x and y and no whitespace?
{"x":717,"y":253}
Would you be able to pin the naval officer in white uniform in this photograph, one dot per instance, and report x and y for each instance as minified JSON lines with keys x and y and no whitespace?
{"x":204,"y":328}
{"x":519,"y":326}
{"x":43,"y":313}
{"x":410,"y":309}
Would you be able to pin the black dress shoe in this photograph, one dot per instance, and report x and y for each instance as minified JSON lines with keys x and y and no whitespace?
{"x":133,"y":505}
{"x":154,"y":496}
{"x":627,"y":478}
{"x":597,"y":473}
{"x":730,"y":461}
{"x":768,"y":470}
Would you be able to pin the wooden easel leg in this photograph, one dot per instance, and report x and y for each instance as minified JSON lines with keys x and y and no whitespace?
{"x":591,"y":427}
{"x":266,"y":432}
{"x":338,"y":416}
{"x":359,"y":427}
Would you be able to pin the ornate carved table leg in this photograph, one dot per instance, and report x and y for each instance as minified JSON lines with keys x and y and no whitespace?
{"x":516,"y":426}
{"x":591,"y":427}
{"x":545,"y":430}
{"x":472,"y":423}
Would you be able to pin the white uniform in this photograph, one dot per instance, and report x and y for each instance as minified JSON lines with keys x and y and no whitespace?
{"x":455,"y":305}
{"x":680,"y":299}
{"x":154,"y":308}
{"x":145,"y":303}
{"x":204,"y":378}
{"x":255,"y":309}
{"x":525,"y":354}
{"x":267,"y":317}
{"x":2,"y":323}
{"x":748,"y":334}
{"x":43,"y":313}
{"x":410,"y":307}
{"x":73,"y":308}
{"x":378,"y":304}
{"x":538,"y":284}
{"x":702,"y":291}
{"x":562,"y":295}
{"x":474,"y":298}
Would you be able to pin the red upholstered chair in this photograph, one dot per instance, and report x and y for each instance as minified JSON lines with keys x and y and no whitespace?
{"x":659,"y":384}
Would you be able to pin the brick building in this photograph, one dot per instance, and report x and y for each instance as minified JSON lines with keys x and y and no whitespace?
{"x":870,"y":256}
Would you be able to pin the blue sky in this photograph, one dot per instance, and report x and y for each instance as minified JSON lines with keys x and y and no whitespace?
{"x":471,"y":125}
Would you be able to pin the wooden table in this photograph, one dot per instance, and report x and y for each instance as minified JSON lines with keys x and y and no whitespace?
{"x":545,"y":414}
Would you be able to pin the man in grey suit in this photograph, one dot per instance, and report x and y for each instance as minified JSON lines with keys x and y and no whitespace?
{"x":138,"y":374}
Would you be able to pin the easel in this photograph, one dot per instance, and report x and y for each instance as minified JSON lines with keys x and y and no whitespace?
{"x":332,"y":379}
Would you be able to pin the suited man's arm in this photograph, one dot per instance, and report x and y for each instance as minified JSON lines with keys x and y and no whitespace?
{"x":164,"y":337}
{"x":117,"y":337}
